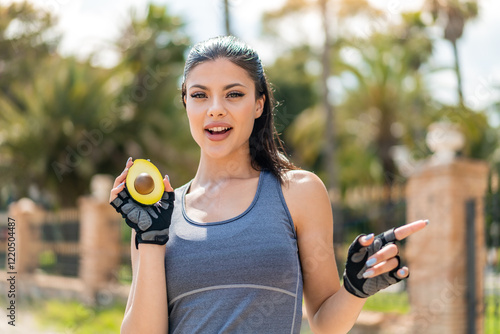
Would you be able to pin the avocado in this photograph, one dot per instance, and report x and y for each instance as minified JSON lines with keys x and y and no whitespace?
{"x":144,"y":182}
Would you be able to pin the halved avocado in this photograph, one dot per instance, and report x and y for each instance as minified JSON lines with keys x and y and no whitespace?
{"x":144,"y":182}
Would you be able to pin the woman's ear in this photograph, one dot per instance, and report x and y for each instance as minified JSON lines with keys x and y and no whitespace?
{"x":260,"y":106}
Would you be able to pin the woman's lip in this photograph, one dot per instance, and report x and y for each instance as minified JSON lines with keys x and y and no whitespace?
{"x":217,"y":125}
{"x":217,"y":136}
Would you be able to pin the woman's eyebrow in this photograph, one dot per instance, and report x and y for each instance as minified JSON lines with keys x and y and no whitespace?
{"x":236,"y":84}
{"x":226,"y":87}
{"x":198,"y":86}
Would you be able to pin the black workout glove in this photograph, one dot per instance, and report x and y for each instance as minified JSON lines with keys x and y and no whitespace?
{"x":150,"y":222}
{"x":354,"y":282}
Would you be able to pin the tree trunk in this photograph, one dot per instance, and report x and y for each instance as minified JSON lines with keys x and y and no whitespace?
{"x":227,"y":21}
{"x":457,"y":73}
{"x":329,"y":148}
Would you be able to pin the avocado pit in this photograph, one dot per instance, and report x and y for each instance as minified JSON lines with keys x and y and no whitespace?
{"x":144,"y":184}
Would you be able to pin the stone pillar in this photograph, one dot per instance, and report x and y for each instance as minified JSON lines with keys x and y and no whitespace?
{"x":99,"y":239}
{"x":27,"y":216}
{"x":437,"y":255}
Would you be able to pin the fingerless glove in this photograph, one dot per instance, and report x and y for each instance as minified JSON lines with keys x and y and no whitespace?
{"x":354,"y":282}
{"x":150,"y":222}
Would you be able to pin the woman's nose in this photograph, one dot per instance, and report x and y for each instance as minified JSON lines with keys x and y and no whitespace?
{"x":216,"y":109}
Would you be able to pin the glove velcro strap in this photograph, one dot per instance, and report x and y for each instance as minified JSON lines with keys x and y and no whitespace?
{"x":155,"y":237}
{"x":387,"y":237}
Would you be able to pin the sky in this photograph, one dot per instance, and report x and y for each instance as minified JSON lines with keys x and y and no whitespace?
{"x":90,"y":25}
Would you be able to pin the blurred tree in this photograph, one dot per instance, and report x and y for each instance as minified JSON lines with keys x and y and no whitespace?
{"x":227,"y":18}
{"x":382,"y":62}
{"x":27,"y":35}
{"x":56,"y":130}
{"x":481,"y":137}
{"x":295,"y":83}
{"x":384,"y":99}
{"x":153,"y":123}
{"x":294,"y":9}
{"x":453,"y":15}
{"x":70,"y":120}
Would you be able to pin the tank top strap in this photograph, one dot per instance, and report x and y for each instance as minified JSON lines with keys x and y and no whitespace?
{"x":271,"y":194}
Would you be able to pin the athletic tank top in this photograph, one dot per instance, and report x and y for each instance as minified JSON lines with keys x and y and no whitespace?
{"x":240,"y":275}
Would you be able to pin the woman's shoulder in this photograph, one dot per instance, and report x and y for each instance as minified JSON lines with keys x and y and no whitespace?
{"x":305,"y":195}
{"x":302,"y":182}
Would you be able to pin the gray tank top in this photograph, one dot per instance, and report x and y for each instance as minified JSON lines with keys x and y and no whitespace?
{"x":240,"y":275}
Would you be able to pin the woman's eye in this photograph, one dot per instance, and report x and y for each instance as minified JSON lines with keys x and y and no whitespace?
{"x":198,"y":95}
{"x":235,"y":94}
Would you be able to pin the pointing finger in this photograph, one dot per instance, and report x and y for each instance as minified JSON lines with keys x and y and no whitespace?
{"x":408,"y":229}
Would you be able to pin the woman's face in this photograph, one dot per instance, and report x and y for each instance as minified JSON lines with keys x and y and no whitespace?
{"x":221,"y":105}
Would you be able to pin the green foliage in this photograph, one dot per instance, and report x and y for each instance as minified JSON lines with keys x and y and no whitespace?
{"x":63,"y":121}
{"x":155,"y":126}
{"x":26,"y":36}
{"x":386,"y":102}
{"x":481,"y":138}
{"x":66,"y":121}
{"x":73,"y":317}
{"x":47,"y":260}
{"x":388,"y":302}
{"x":294,"y":85}
{"x":492,"y":312}
{"x":55,"y":135}
{"x":452,"y":15}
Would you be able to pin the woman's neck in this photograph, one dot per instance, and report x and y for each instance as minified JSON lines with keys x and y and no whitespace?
{"x":219,"y":171}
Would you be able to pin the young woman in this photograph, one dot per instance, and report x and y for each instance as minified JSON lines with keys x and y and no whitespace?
{"x":250,"y":235}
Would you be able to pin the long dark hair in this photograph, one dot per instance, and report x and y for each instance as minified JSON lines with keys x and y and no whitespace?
{"x":266,"y":150}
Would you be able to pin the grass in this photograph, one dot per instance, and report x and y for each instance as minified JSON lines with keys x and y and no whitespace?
{"x":388,"y":302}
{"x":73,"y":317}
{"x":492,"y":316}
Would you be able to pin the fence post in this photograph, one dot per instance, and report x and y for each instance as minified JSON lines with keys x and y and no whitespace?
{"x":99,"y":239}
{"x":438,"y":255}
{"x":26,"y":215}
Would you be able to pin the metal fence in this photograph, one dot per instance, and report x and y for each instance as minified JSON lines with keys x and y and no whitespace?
{"x":371,"y":210}
{"x":492,"y":271}
{"x":59,"y":252}
{"x":59,"y":248}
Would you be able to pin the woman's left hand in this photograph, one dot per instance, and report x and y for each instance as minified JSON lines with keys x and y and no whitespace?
{"x":373,"y":263}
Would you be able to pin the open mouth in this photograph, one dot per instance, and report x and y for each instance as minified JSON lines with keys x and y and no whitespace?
{"x":218,"y":130}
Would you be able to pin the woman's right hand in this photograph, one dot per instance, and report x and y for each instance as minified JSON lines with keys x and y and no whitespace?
{"x":150,"y":222}
{"x":119,"y":184}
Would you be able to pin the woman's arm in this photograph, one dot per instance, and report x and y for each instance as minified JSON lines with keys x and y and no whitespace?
{"x":330,"y":308}
{"x":147,"y":305}
{"x":147,"y":308}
